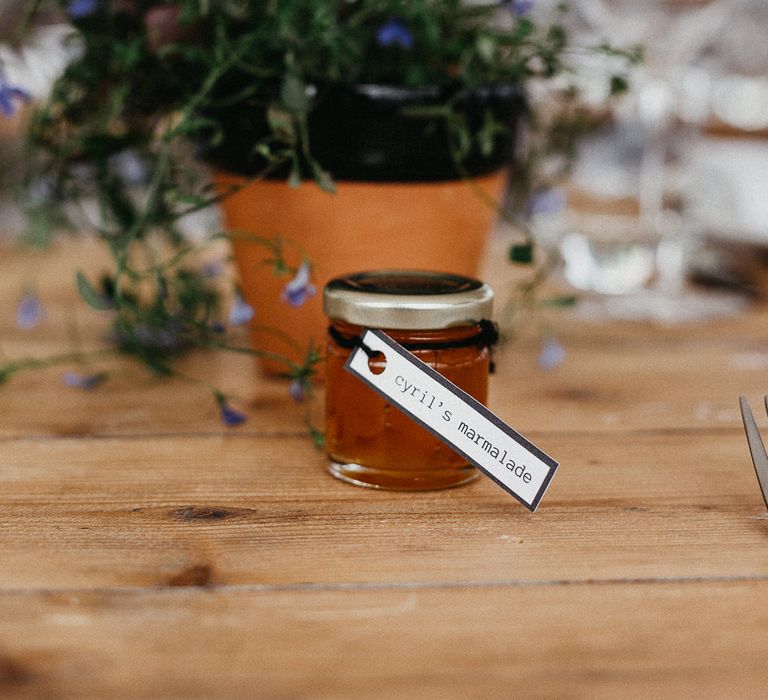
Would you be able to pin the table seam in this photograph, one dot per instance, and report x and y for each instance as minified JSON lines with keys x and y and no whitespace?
{"x":376,"y":586}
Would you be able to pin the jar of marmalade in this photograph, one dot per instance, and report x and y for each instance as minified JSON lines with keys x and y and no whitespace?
{"x":443,"y":320}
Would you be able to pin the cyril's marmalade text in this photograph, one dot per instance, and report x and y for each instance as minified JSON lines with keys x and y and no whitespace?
{"x":431,"y":402}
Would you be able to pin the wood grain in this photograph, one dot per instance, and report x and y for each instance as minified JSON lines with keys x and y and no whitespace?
{"x":146,"y":550}
{"x":616,"y":374}
{"x":84,"y":513}
{"x":132,"y":401}
{"x":669,"y":640}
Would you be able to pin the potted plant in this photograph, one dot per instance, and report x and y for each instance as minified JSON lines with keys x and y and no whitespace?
{"x":405,"y":114}
{"x":402,"y":193}
{"x":422,"y":99}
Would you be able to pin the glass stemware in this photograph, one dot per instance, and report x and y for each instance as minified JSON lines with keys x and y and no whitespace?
{"x":627,"y":234}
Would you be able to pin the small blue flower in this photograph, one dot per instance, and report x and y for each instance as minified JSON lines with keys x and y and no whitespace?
{"x":296,"y":390}
{"x":394,"y":32}
{"x":78,"y":9}
{"x":83,"y":172}
{"x":156,"y":337}
{"x":29,"y":311}
{"x":129,"y":167}
{"x":299,"y":289}
{"x":77,"y":380}
{"x":41,"y":190}
{"x":10,"y":95}
{"x":212,"y":269}
{"x":229,"y":415}
{"x":548,"y":201}
{"x":552,"y":354}
{"x":519,"y":7}
{"x":240,"y":313}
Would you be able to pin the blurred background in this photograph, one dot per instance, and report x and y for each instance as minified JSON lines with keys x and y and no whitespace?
{"x":670,"y":184}
{"x":663,"y":213}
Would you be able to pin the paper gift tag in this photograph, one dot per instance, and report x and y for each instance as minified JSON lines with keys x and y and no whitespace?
{"x":453,"y":416}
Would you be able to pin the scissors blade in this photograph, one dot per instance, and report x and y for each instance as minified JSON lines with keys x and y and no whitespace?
{"x":756,"y":447}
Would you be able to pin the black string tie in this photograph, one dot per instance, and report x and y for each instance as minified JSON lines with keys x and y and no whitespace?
{"x":487,"y":336}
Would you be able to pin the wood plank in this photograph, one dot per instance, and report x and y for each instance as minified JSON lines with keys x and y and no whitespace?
{"x":84,"y":513}
{"x":635,"y":382}
{"x":651,"y":383}
{"x":615,"y":375}
{"x":702,"y":640}
{"x":133,"y":402}
{"x":148,"y":551}
{"x":651,"y":387}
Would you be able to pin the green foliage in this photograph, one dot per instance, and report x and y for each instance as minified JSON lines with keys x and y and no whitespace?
{"x":152,"y":81}
{"x":619,"y":84}
{"x":89,"y":294}
{"x":522,"y":253}
{"x":561,"y":301}
{"x":154,"y":72}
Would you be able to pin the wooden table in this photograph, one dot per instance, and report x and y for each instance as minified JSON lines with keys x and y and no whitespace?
{"x":148,"y":551}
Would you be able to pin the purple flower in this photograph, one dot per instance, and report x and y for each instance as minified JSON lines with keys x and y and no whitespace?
{"x":29,"y":311}
{"x":552,"y":354}
{"x":212,"y":269}
{"x":77,"y":380}
{"x":240,"y":313}
{"x":296,"y":390}
{"x":229,"y":415}
{"x":549,"y":201}
{"x":519,"y":7}
{"x":394,"y":32}
{"x":82,"y":172}
{"x":299,"y":289}
{"x":78,"y":9}
{"x":156,"y":337}
{"x":10,"y":95}
{"x":41,"y":190}
{"x":129,"y":167}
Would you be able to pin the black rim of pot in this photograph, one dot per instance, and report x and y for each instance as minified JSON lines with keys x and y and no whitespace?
{"x":381,"y":133}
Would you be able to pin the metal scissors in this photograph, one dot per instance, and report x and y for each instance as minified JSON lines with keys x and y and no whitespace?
{"x":756,"y":446}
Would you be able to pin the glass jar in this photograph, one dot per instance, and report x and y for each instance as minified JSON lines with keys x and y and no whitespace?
{"x":443,"y":320}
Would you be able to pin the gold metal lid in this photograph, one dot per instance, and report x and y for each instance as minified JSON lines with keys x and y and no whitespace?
{"x":407,"y":299}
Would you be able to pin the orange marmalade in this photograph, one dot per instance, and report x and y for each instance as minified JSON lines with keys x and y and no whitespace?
{"x":442,"y":320}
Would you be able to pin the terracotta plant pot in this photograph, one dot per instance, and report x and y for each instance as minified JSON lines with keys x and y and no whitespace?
{"x":399,"y":199}
{"x":428,"y":225}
